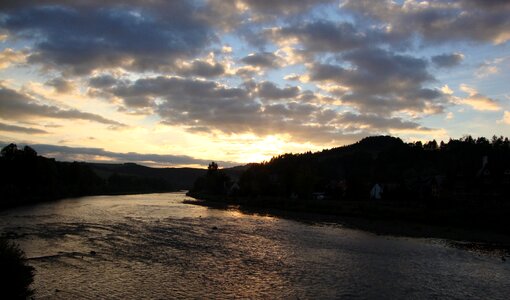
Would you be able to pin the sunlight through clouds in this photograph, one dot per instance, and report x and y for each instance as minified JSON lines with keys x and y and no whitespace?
{"x":241,"y":81}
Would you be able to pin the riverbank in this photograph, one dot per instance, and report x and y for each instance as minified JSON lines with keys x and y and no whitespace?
{"x":152,"y":246}
{"x":15,"y":274}
{"x":36,"y":200}
{"x":469,"y":227}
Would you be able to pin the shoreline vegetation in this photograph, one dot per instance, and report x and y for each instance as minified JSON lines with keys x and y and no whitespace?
{"x":380,"y":219}
{"x":16,"y":275}
{"x":28,"y":178}
{"x":458,"y":190}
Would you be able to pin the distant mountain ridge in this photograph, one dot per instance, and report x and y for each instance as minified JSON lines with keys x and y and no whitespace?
{"x":180,"y":178}
{"x":27,"y":178}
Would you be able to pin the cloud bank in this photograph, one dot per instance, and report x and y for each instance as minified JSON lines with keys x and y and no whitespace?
{"x":309,"y":71}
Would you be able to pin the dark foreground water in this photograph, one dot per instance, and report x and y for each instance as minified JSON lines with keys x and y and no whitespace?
{"x":156,"y":247}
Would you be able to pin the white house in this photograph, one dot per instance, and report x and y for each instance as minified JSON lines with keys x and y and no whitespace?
{"x":376,"y":192}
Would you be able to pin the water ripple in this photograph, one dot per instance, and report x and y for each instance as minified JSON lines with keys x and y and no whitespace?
{"x":156,"y":247}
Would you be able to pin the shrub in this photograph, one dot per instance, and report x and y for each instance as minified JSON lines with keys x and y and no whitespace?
{"x":15,"y":275}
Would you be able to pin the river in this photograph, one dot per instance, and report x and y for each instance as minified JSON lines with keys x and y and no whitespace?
{"x":157,"y":247}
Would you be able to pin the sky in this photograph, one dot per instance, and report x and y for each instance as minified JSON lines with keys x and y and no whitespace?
{"x":182,"y":83}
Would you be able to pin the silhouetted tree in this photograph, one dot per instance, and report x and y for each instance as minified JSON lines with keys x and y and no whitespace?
{"x":9,"y":151}
{"x":214,"y":182}
{"x":29,"y":151}
{"x":431,"y":145}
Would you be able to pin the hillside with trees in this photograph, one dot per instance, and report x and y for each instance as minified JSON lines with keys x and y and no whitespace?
{"x":180,"y":178}
{"x":472,"y":170}
{"x":460,"y":182}
{"x":27,"y":177}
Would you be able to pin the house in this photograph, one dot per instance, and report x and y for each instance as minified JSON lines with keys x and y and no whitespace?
{"x":376,"y":192}
{"x":318,"y":195}
{"x":431,"y":187}
{"x":506,"y":176}
{"x":337,"y":188}
{"x":484,"y":170}
{"x":234,"y":189}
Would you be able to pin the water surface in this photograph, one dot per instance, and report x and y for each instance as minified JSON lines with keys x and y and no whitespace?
{"x":156,"y":247}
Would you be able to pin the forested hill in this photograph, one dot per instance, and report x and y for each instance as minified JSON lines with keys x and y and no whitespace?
{"x":180,"y":178}
{"x":27,"y":177}
{"x":467,"y":169}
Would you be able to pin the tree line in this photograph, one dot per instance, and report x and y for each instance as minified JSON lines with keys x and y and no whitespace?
{"x":471,"y":170}
{"x":27,"y":177}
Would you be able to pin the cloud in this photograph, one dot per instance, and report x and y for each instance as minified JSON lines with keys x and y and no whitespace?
{"x":9,"y":56}
{"x":14,"y":128}
{"x":201,"y":68}
{"x":448,"y":60}
{"x":102,"y":81}
{"x":506,"y":118}
{"x":256,"y":108}
{"x":478,"y":101}
{"x":440,"y":21}
{"x":485,"y":70}
{"x":321,"y":36}
{"x":490,"y":67}
{"x":263,"y":60}
{"x":157,"y":58}
{"x":488,"y":4}
{"x":61,"y":85}
{"x":87,"y":37}
{"x":383,"y":82}
{"x":377,"y":122}
{"x":268,"y":90}
{"x":282,"y":7}
{"x":15,"y":105}
{"x":65,"y":153}
{"x":232,"y":14}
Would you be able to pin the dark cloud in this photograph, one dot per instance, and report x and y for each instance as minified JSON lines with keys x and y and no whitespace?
{"x":375,"y":121}
{"x":382,"y":82}
{"x":163,"y":44}
{"x":61,"y":85}
{"x":324,"y":36}
{"x":15,"y":105}
{"x":201,"y":69}
{"x":447,"y":60}
{"x":488,"y":4}
{"x":328,"y":36}
{"x":193,"y":103}
{"x":441,"y":21}
{"x":292,"y":110}
{"x":65,"y":153}
{"x":268,"y":90}
{"x":102,"y":81}
{"x":232,"y":14}
{"x":82,"y":4}
{"x":207,"y":106}
{"x":106,"y":35}
{"x":283,"y":7}
{"x":14,"y":128}
{"x":263,"y":59}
